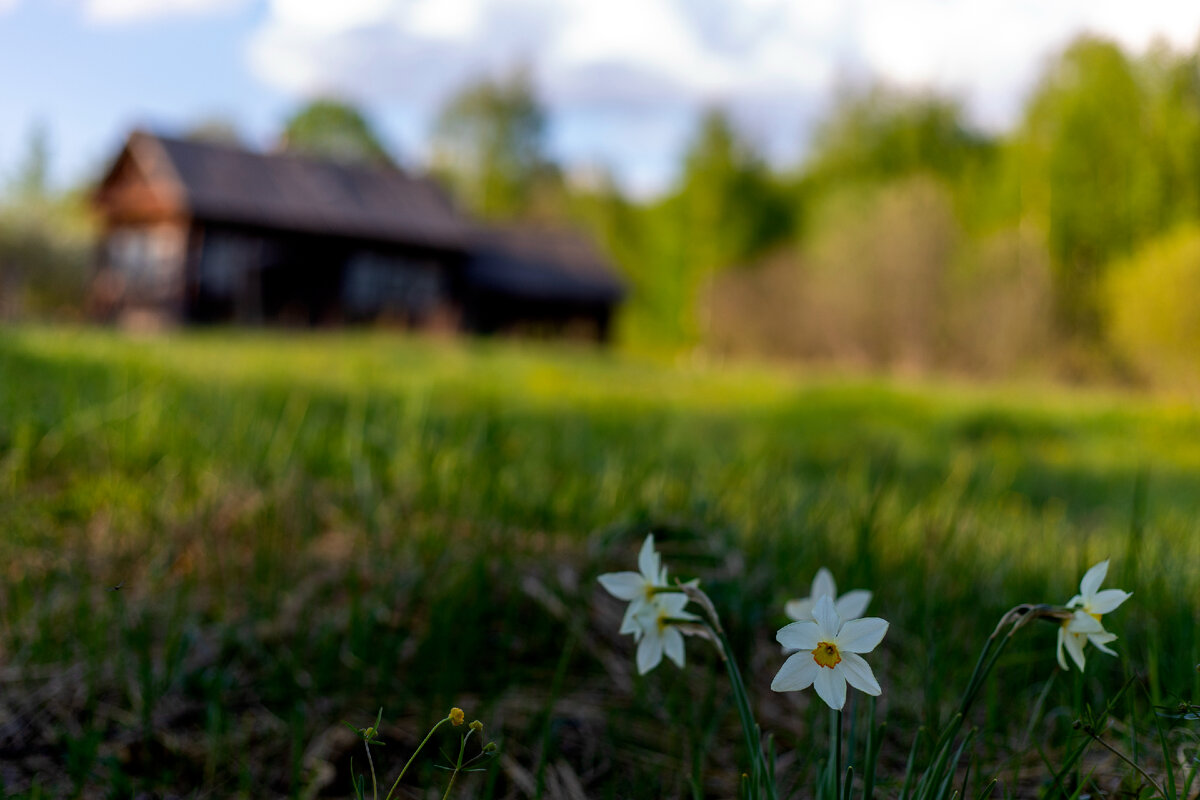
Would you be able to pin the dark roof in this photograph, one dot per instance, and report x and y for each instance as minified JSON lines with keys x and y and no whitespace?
{"x":225,"y":183}
{"x":541,"y":264}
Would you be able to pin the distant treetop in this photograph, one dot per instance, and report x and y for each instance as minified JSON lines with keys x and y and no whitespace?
{"x":334,"y":129}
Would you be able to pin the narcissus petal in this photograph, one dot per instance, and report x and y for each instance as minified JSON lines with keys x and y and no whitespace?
{"x":861,"y":635}
{"x":831,"y":687}
{"x":858,"y":673}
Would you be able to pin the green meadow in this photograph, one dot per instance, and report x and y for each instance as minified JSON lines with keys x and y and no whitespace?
{"x":217,"y":547}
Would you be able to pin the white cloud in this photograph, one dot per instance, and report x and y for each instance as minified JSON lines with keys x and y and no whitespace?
{"x":635,"y":68}
{"x":991,"y":51}
{"x":121,"y":11}
{"x":702,"y":51}
{"x":330,"y":18}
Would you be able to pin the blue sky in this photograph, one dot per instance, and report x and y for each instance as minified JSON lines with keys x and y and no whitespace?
{"x":89,"y":83}
{"x":623,"y":79}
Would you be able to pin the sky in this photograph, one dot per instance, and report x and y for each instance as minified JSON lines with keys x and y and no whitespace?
{"x":623,"y":80}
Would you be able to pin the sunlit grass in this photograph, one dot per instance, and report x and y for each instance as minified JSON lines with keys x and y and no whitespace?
{"x":305,"y":528}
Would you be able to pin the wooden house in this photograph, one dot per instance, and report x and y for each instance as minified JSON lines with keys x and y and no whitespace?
{"x":196,"y":232}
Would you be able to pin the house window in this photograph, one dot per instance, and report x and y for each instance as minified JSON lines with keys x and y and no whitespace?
{"x":377,"y":285}
{"x":226,"y":259}
{"x":148,"y":258}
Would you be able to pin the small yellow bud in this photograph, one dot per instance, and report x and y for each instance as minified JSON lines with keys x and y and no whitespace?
{"x":369,"y":732}
{"x":457,"y":716}
{"x":490,"y":748}
{"x":477,"y":726}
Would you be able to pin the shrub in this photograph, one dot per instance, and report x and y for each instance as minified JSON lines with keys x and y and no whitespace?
{"x":1151,"y":305}
{"x":1000,"y":314}
{"x":869,"y":288}
{"x":45,"y":254}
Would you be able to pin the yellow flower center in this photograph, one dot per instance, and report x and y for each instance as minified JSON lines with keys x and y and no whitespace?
{"x":827,"y":655}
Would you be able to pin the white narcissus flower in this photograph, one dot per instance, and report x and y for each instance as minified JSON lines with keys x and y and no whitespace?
{"x":1084,"y":625}
{"x":658,"y":632}
{"x":829,"y":656}
{"x":637,"y":587}
{"x":851,"y":605}
{"x":655,"y":609}
{"x":1076,"y":632}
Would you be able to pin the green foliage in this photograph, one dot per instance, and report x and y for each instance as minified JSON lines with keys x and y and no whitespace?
{"x":1151,"y":305}
{"x":45,"y":242}
{"x":32,"y":183}
{"x":622,"y":231}
{"x":727,"y":211}
{"x":1006,"y":271}
{"x":1107,"y":157}
{"x":335,"y":129}
{"x":217,"y":130}
{"x":45,"y":258}
{"x":876,"y":283}
{"x":881,"y":133}
{"x":488,"y":142}
{"x":733,"y":207}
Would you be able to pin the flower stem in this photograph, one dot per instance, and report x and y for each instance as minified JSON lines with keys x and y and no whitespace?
{"x":457,"y":764}
{"x":837,"y":755}
{"x":749,"y":726}
{"x":414,"y":755}
{"x":761,"y":784}
{"x":371,"y":764}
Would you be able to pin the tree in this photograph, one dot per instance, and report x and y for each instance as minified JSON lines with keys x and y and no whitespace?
{"x":334,"y":129}
{"x":882,"y":133}
{"x":734,"y":207}
{"x":726,"y":211}
{"x":215,"y":129}
{"x":1090,"y":172}
{"x":32,"y":180}
{"x":1171,"y":82}
{"x":46,"y":240}
{"x":488,"y":142}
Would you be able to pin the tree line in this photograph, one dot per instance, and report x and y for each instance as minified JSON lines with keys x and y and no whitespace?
{"x":907,"y":238}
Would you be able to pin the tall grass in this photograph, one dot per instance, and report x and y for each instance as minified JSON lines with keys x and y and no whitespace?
{"x":216,"y":547}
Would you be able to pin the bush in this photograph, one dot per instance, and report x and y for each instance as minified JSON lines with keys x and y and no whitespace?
{"x":868,"y":288}
{"x":889,"y":280}
{"x":1001,"y":311}
{"x":45,"y":257}
{"x":1151,"y":305}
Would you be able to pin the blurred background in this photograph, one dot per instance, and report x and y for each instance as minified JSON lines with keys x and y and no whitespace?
{"x":995,"y":190}
{"x":906,"y":288}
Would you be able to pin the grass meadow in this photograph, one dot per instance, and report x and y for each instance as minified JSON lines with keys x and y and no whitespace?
{"x":217,"y":547}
